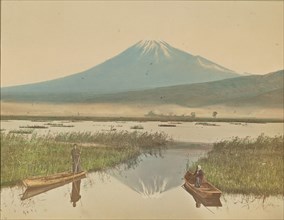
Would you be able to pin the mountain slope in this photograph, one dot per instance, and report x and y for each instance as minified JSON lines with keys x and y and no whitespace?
{"x":267,"y":88}
{"x":145,"y":65}
{"x":259,"y":90}
{"x":272,"y":99}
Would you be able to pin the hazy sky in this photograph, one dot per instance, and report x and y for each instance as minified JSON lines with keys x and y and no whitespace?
{"x":47,"y":39}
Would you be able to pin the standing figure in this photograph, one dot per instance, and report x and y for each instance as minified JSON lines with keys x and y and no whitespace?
{"x":75,"y":153}
{"x":199,"y":175}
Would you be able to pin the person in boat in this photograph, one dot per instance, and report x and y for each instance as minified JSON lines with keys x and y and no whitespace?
{"x":198,"y":204}
{"x":199,"y":175}
{"x":75,"y":194}
{"x":76,"y":153}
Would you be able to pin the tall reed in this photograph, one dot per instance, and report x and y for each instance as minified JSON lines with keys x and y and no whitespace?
{"x":23,"y":156}
{"x":246,"y":165}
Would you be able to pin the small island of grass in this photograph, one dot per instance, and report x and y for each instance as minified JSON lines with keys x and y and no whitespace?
{"x":246,"y":166}
{"x":137,"y":127}
{"x":23,"y":156}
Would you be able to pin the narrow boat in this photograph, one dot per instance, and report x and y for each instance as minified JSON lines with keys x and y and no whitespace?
{"x":31,"y":192}
{"x":207,"y":202}
{"x":52,"y":179}
{"x":206,"y":190}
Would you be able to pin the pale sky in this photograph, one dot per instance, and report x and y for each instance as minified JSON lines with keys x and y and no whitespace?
{"x":42,"y":40}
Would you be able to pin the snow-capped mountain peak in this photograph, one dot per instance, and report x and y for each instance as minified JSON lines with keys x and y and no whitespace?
{"x":154,"y":46}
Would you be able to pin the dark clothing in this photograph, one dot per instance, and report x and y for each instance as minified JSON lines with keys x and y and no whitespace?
{"x":76,"y":167}
{"x":75,"y":153}
{"x":199,"y":175}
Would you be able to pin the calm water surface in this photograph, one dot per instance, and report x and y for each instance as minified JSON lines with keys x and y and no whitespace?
{"x":150,"y":189}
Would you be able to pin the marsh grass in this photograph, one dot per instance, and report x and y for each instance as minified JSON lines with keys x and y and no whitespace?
{"x":24,"y":156}
{"x":26,"y":131}
{"x":246,"y":166}
{"x":34,"y":126}
{"x":118,"y":139}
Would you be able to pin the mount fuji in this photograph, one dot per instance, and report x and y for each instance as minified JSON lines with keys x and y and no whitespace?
{"x":145,"y":65}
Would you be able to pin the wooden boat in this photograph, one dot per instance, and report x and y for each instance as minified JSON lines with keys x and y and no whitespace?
{"x":34,"y":191}
{"x":208,"y":202}
{"x":206,"y":190}
{"x":52,"y":179}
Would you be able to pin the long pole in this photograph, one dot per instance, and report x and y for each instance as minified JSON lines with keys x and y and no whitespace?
{"x":209,"y":210}
{"x":78,"y":161}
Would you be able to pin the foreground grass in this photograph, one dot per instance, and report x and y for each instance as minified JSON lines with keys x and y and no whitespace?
{"x":246,"y":166}
{"x":23,"y":156}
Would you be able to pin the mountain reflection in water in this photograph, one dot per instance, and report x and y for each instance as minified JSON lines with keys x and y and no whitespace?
{"x":155,"y":175}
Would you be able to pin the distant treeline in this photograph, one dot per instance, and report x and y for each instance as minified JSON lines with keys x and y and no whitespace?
{"x":163,"y":118}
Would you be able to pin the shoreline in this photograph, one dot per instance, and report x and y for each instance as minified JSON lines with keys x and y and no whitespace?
{"x":142,"y":119}
{"x":250,"y":166}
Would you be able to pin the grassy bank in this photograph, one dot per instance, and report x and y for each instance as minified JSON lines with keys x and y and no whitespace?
{"x":246,"y":166}
{"x":24,"y":156}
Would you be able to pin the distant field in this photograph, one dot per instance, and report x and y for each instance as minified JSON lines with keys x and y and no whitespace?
{"x":158,"y":118}
{"x":111,"y":111}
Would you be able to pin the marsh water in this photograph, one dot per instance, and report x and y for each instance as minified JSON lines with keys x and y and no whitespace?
{"x":150,"y":188}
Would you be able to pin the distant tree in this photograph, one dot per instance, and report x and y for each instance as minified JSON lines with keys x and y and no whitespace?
{"x":150,"y":114}
{"x":214,"y":114}
{"x":193,"y":115}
